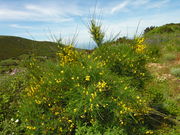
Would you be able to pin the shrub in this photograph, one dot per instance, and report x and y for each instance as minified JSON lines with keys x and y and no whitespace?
{"x":10,"y":89}
{"x":125,"y":60}
{"x":96,"y":32}
{"x":149,"y":29}
{"x":170,"y":57}
{"x":85,"y":130}
{"x":79,"y":90}
{"x":10,"y":127}
{"x":154,"y":52}
{"x":175,"y":72}
{"x":9,"y":62}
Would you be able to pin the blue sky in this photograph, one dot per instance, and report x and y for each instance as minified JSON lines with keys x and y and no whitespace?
{"x":38,"y":19}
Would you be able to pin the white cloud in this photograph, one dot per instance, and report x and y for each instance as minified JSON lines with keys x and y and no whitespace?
{"x":22,"y":15}
{"x":21,"y":26}
{"x":40,"y":12}
{"x":158,"y":4}
{"x":138,"y":3}
{"x":59,"y":9}
{"x":7,"y":14}
{"x":119,"y":7}
{"x":129,"y":5}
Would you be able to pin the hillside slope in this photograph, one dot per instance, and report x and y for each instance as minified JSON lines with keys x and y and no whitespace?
{"x":167,"y":28}
{"x":15,"y":46}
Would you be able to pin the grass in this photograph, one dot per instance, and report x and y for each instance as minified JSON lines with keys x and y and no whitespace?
{"x":175,"y":72}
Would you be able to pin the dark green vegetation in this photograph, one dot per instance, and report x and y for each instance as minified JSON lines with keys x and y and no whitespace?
{"x":13,"y":47}
{"x":124,"y":87}
{"x":13,"y":50}
{"x":168,"y":28}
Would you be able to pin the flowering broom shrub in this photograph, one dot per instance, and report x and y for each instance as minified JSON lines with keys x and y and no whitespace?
{"x":126,"y":60}
{"x":95,"y":29}
{"x":80,"y":91}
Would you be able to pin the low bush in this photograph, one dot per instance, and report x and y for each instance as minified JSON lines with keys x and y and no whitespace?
{"x":169,"y":56}
{"x":175,"y":72}
{"x":108,"y":91}
{"x":80,"y":90}
{"x":126,"y":60}
{"x":10,"y":89}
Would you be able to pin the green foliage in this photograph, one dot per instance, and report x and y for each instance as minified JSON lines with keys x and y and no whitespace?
{"x":168,"y":28}
{"x":105,"y":91}
{"x":175,"y":72}
{"x":169,"y":56}
{"x":80,"y":89}
{"x":85,"y":130}
{"x":8,"y":62}
{"x":154,"y":52}
{"x":174,"y":130}
{"x":7,"y":65}
{"x":12,"y":47}
{"x":8,"y":127}
{"x":124,"y":40}
{"x":10,"y":89}
{"x":124,"y":61}
{"x":96,"y":32}
{"x":148,"y":29}
{"x":160,"y":45}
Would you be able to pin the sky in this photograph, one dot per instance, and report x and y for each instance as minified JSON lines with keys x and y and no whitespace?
{"x":50,"y":19}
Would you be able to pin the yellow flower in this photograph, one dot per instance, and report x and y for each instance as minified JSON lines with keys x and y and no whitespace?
{"x":138,"y":97}
{"x":58,"y":80}
{"x":91,"y":107}
{"x":70,"y":121}
{"x":31,"y":127}
{"x":78,"y":85}
{"x":38,"y":101}
{"x":75,"y":110}
{"x":56,"y":113}
{"x":101,"y":85}
{"x":60,"y":129}
{"x":100,"y":73}
{"x":87,"y":78}
{"x":82,"y":116}
{"x":149,"y":132}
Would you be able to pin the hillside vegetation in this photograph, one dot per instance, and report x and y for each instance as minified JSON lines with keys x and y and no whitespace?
{"x":167,"y":28}
{"x":12,"y":47}
{"x":122,"y":87}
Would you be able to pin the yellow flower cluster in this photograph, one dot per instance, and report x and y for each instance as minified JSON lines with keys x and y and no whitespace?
{"x":31,"y":127}
{"x":101,"y":85}
{"x":32,"y":90}
{"x":149,"y":132}
{"x":67,"y":55}
{"x":140,"y":47}
{"x":87,"y":78}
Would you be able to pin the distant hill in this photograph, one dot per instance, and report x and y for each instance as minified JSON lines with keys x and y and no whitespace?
{"x":167,"y":28}
{"x":12,"y":47}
